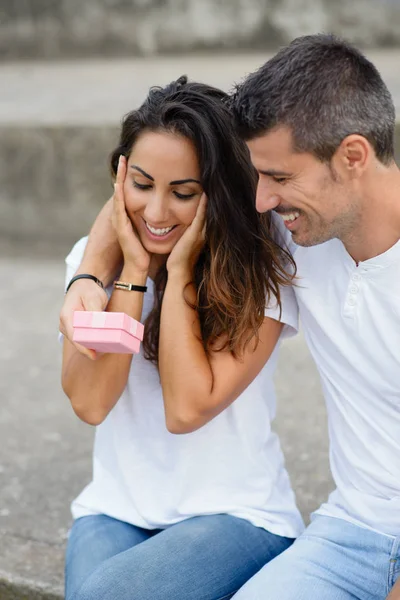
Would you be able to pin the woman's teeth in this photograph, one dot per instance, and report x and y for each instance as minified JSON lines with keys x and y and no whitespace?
{"x":290,"y":216}
{"x":159,"y":232}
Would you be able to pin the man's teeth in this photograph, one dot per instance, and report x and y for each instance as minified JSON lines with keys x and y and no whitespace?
{"x":290,"y":216}
{"x":159,"y":232}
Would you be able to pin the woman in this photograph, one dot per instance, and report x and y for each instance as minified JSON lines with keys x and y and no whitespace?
{"x":190,"y":516}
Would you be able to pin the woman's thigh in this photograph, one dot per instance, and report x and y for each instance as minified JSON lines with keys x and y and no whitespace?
{"x":203,"y":558}
{"x":92,"y":541}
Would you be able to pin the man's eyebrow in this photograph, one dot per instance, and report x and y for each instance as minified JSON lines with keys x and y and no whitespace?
{"x":181,"y":181}
{"x":142,"y":172}
{"x":273,"y":173}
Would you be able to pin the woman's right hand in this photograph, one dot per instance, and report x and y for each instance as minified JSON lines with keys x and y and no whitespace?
{"x":84,"y":294}
{"x":135,"y":255}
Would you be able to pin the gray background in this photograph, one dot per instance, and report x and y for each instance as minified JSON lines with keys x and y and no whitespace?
{"x":69,"y":70}
{"x":59,"y":28}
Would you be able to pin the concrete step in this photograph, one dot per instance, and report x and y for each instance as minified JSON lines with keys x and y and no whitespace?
{"x":45,"y":451}
{"x":60,"y":121}
{"x":71,"y":28}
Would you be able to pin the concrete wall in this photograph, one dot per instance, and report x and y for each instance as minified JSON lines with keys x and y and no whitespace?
{"x":66,"y":28}
{"x":55,"y":179}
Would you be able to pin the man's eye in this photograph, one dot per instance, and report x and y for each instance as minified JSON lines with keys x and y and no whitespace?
{"x":184,"y":196}
{"x":141,"y":186}
{"x":280,"y":179}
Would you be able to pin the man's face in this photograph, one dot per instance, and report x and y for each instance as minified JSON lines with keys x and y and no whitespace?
{"x":315,"y":205}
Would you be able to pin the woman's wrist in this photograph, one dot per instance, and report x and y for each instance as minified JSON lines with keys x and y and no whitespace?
{"x":132,"y":274}
{"x":106,"y":276}
{"x":180,"y":276}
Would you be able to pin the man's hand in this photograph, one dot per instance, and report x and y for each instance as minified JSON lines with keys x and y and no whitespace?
{"x":395,"y":593}
{"x":84,"y":294}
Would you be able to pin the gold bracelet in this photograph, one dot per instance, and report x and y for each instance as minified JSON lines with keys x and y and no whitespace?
{"x":129,"y":287}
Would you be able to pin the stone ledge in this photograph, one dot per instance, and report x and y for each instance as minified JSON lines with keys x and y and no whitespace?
{"x":59,"y":181}
{"x":21,"y":590}
{"x":39,"y":566}
{"x":99,"y":28}
{"x":45,"y":460}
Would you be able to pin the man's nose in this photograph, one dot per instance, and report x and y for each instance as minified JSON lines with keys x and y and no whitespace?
{"x":266,"y":200}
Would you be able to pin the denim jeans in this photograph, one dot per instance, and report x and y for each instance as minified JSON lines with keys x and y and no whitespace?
{"x":331,"y":560}
{"x":202,"y":558}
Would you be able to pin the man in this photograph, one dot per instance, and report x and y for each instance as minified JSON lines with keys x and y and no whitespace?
{"x":319,"y":123}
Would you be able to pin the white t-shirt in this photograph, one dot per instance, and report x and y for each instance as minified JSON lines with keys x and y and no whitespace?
{"x":147,"y":476}
{"x":351,"y":320}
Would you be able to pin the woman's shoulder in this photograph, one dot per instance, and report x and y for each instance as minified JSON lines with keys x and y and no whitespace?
{"x":76,"y":253}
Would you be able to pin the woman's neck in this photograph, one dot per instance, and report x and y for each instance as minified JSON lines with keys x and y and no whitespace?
{"x":157,"y":261}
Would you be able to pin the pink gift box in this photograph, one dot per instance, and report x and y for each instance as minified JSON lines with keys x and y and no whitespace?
{"x":107,"y":332}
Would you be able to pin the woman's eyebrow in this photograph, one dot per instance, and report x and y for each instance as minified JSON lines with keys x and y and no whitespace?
{"x":180,"y":181}
{"x":142,"y":172}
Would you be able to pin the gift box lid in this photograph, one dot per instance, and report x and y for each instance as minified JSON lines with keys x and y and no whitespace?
{"x":108,"y":320}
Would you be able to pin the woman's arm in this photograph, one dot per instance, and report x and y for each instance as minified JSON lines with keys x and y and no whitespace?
{"x":103,"y":254}
{"x":102,"y":258}
{"x":197,"y":387}
{"x":94,"y":387}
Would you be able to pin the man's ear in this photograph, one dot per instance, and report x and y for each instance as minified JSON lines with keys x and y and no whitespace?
{"x":352,"y":156}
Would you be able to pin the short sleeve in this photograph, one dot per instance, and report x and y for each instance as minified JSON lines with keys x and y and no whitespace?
{"x":289,"y":315}
{"x":290,"y":310}
{"x":74,"y":259}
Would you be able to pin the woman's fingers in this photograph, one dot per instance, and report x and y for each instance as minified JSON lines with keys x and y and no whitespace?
{"x":121,"y":170}
{"x":120,"y":218}
{"x":83,"y":295}
{"x":199,"y":221}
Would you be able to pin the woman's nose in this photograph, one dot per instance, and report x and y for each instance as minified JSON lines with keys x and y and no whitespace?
{"x":156,"y":211}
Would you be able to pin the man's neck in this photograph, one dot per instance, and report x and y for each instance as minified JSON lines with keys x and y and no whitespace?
{"x":379,"y":226}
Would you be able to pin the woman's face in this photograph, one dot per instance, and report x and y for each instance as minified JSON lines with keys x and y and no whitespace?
{"x":162,"y":189}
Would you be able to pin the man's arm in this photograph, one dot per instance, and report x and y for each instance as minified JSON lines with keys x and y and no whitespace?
{"x":103,"y":256}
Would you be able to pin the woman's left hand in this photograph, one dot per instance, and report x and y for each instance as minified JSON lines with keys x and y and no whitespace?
{"x":186,"y":251}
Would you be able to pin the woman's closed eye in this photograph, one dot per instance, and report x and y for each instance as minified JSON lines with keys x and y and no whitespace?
{"x":180,"y":195}
{"x":141,"y":186}
{"x":184,"y":196}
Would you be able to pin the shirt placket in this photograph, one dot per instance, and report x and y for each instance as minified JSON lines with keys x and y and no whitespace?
{"x":352,"y":299}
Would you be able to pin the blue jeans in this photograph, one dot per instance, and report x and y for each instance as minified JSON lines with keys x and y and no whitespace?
{"x":203,"y":558}
{"x":331,"y":560}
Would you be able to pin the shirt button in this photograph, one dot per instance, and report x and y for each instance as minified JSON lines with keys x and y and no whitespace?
{"x":356,"y":277}
{"x":352,"y":301}
{"x":354,"y":289}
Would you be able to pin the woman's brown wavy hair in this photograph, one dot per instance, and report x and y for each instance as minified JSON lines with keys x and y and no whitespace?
{"x":241,"y":266}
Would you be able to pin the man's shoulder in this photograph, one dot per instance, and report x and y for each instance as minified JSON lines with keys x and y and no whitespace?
{"x":322,"y":262}
{"x":325,"y":253}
